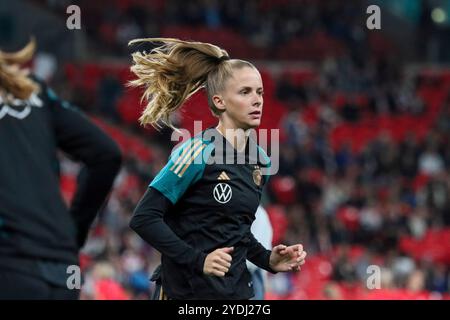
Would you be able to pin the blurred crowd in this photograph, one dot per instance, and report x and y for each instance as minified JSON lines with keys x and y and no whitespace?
{"x":264,"y":27}
{"x":338,"y":197}
{"x":267,"y":24}
{"x":333,"y":198}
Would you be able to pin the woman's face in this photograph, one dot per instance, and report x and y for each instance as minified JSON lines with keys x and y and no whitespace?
{"x":242,"y":99}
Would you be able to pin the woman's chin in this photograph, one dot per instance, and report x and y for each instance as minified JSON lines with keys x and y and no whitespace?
{"x":253,"y":124}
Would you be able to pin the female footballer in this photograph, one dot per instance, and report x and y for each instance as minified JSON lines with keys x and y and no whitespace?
{"x":198,"y":210}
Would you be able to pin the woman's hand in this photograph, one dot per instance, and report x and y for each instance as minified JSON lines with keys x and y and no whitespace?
{"x":218,"y":262}
{"x":285,"y":258}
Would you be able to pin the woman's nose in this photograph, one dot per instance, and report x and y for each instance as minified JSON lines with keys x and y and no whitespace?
{"x":257,"y":100}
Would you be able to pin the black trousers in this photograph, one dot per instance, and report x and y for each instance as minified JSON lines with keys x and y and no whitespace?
{"x":20,"y":286}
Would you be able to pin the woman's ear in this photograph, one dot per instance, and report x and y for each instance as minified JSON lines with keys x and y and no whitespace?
{"x":219,"y":103}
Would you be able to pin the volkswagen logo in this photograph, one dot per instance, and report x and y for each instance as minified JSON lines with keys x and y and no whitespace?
{"x":222,"y":193}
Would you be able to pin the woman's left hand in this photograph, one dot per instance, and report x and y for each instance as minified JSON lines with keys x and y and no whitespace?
{"x":285,"y":258}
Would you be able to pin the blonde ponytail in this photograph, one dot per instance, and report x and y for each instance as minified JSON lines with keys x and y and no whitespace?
{"x":13,"y":79}
{"x":171,"y":73}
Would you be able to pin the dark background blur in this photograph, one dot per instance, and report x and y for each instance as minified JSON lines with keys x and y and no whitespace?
{"x":364,"y":117}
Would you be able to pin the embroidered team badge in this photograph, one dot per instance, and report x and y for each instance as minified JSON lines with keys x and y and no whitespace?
{"x":257,"y":176}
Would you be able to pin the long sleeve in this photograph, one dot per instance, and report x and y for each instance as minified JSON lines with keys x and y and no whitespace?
{"x":257,"y":254}
{"x":79,"y":138}
{"x":149,"y":224}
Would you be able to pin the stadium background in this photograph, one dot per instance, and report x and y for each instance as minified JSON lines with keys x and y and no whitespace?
{"x":364,"y":118}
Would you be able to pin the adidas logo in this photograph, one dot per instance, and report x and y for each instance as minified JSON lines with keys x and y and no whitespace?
{"x":223,"y":176}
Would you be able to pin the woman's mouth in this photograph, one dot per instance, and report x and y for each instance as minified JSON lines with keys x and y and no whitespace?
{"x":255,"y":114}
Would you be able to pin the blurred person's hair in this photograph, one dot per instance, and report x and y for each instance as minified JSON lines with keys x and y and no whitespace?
{"x":174,"y":71}
{"x":14,"y":79}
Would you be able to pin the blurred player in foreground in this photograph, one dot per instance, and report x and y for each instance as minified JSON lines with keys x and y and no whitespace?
{"x":39,"y":236}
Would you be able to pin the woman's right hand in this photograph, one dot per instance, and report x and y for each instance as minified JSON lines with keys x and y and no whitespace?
{"x":218,"y":262}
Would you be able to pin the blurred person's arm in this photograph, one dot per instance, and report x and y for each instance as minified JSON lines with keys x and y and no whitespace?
{"x":84,"y":142}
{"x":262,"y":231}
